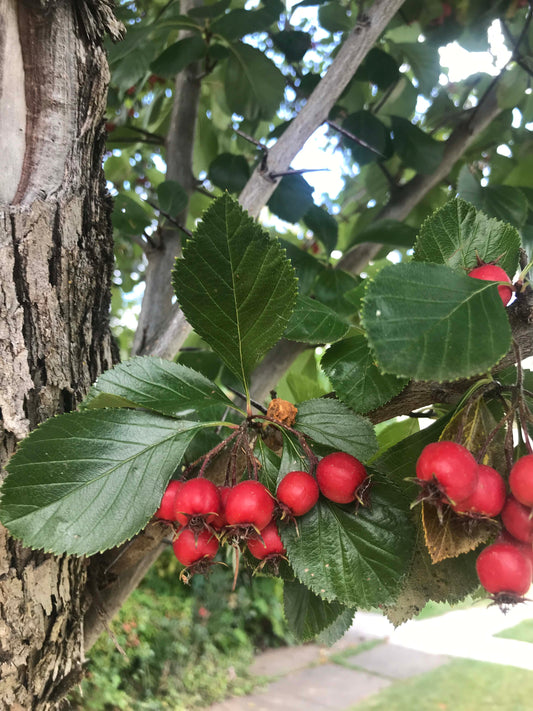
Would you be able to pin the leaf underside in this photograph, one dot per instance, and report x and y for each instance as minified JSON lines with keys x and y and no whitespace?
{"x":87,"y":481}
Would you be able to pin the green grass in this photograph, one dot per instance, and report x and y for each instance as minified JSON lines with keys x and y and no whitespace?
{"x":461,"y":685}
{"x":523,"y":632}
{"x":341,"y":657}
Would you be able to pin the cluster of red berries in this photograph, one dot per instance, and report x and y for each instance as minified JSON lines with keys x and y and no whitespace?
{"x":207,"y":514}
{"x":450,"y":475}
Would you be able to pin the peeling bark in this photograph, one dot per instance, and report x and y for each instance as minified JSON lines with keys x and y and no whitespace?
{"x":56,"y":261}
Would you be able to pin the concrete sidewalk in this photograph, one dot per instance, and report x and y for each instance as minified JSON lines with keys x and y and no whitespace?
{"x":307,"y":678}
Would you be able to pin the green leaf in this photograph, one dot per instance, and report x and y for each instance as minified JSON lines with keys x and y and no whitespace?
{"x":269,"y":469}
{"x":331,"y":423}
{"x":179,"y":55}
{"x":331,"y":288}
{"x":511,"y":87}
{"x":504,"y":202}
{"x":293,"y":43}
{"x":229,"y":172}
{"x":238,"y":23}
{"x":210,"y":11}
{"x":427,"y":322}
{"x":323,"y":226}
{"x":334,"y":17}
{"x":457,"y":234}
{"x":306,"y":266}
{"x":313,"y":322}
{"x":358,"y":559}
{"x":368,"y":128}
{"x":424,"y":60}
{"x":253,"y":85}
{"x":130,"y":216}
{"x":357,"y":381}
{"x":392,"y":232}
{"x":172,"y":197}
{"x":235,"y":286}
{"x":308,"y":615}
{"x":154,"y":384}
{"x":416,"y":148}
{"x":87,"y":481}
{"x":292,"y":198}
{"x":379,"y":68}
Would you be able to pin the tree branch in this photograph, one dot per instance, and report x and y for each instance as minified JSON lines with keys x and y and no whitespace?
{"x":166,"y":341}
{"x":158,"y":294}
{"x":354,"y":49}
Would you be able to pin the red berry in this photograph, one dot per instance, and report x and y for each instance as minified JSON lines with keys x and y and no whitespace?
{"x":197,"y":499}
{"x":110,"y":126}
{"x":502,"y":568}
{"x":339,"y":477}
{"x":452,"y":467}
{"x":488,"y":498}
{"x":521,"y":480}
{"x":249,"y":503}
{"x":525,"y":548}
{"x":269,"y":544}
{"x":166,"y":507}
{"x":518,"y":520}
{"x":492,"y":272}
{"x":298,"y":491}
{"x":189,"y":548}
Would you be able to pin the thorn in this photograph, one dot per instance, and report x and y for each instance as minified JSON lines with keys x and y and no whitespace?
{"x":293,"y":171}
{"x":352,"y":137}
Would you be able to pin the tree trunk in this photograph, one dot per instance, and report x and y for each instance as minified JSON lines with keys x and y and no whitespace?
{"x":56,"y":261}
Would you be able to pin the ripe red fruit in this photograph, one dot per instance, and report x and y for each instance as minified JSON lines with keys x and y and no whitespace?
{"x":197,"y":500}
{"x":298,"y":491}
{"x":339,"y":477}
{"x":249,"y":503}
{"x":502,"y":568}
{"x":525,"y":548}
{"x":166,"y":507}
{"x":521,"y":480}
{"x":190,"y":549}
{"x":518,"y":520}
{"x":269,"y":544}
{"x":492,"y":272}
{"x":488,"y":498}
{"x":451,"y":466}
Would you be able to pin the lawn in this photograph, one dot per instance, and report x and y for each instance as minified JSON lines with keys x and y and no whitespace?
{"x":461,"y":685}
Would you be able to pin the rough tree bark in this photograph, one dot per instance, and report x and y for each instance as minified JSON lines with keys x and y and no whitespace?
{"x":56,"y":258}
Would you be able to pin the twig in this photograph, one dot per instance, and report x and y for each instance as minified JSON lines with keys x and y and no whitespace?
{"x":169,"y":217}
{"x":353,"y":137}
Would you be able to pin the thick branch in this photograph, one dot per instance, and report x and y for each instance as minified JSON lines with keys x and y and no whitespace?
{"x":157,"y":301}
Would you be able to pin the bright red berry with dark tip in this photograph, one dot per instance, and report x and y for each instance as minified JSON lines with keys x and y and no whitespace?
{"x":451,"y":466}
{"x":518,"y":520}
{"x":249,"y":503}
{"x":268,"y":544}
{"x":488,"y":498}
{"x":166,"y":509}
{"x":298,"y":491}
{"x":197,"y":499}
{"x":503,"y":568}
{"x":190,"y":549}
{"x":492,"y":272}
{"x":339,"y":477}
{"x":521,"y":480}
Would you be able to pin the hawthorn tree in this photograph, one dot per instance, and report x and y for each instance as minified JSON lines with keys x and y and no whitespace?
{"x":208,"y":100}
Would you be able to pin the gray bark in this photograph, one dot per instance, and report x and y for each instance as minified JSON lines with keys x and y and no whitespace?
{"x":56,"y":261}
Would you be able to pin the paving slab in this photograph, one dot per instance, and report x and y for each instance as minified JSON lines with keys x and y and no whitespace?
{"x":274,"y":662}
{"x":396,"y":662}
{"x":327,"y":687}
